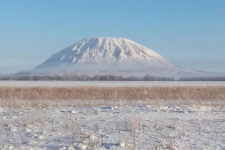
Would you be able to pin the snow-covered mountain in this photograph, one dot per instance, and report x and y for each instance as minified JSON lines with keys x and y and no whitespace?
{"x":108,"y":55}
{"x":105,"y":50}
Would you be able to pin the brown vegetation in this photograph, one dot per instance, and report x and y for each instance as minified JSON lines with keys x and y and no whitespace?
{"x":113,"y":93}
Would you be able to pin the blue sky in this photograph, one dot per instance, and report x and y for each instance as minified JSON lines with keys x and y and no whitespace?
{"x":189,"y":33}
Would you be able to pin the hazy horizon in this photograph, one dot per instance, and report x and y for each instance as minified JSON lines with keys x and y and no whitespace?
{"x":190,"y":33}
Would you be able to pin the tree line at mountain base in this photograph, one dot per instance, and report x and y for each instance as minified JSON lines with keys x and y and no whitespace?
{"x":203,"y":79}
{"x":68,"y":77}
{"x":87,"y":78}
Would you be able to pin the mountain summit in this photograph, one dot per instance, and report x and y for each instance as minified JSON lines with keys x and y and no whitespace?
{"x":109,"y":50}
{"x":108,"y":55}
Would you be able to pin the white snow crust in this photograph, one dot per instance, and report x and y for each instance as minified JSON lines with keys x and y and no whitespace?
{"x":179,"y":127}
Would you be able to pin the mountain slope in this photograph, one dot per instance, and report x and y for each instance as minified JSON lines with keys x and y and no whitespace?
{"x":105,"y":50}
{"x":108,"y":55}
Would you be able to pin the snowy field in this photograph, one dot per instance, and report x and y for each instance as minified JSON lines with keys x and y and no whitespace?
{"x":109,"y":124}
{"x":170,"y":127}
{"x":109,"y":83}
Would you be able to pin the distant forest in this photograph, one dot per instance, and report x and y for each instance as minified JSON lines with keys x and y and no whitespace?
{"x":69,"y":77}
{"x":87,"y":78}
{"x":203,"y":79}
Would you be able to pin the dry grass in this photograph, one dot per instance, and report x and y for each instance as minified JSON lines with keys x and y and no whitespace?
{"x":111,"y":96}
{"x":113,"y":93}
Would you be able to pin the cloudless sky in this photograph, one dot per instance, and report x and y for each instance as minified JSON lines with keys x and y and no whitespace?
{"x":189,"y":33}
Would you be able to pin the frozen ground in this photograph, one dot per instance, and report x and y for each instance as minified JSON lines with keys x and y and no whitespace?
{"x":108,"y":83}
{"x":144,"y":127}
{"x":101,"y":124}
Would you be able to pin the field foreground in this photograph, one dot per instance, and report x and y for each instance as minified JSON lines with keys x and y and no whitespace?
{"x":119,"y":118}
{"x":127,"y":127}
